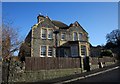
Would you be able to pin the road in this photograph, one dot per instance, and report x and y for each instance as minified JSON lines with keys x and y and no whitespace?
{"x":111,"y":76}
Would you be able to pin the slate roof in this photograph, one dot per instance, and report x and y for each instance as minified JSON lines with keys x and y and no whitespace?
{"x":60,"y":24}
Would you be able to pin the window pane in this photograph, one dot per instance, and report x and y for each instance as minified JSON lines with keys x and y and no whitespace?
{"x":44,"y":33}
{"x":63,"y":36}
{"x":50,"y":34}
{"x":49,"y":51}
{"x":74,"y":51}
{"x":75,"y":36}
{"x":43,"y":50}
{"x":83,"y":50}
{"x":80,"y":36}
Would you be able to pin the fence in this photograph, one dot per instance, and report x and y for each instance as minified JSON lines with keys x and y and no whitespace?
{"x":41,"y":63}
{"x":44,"y":63}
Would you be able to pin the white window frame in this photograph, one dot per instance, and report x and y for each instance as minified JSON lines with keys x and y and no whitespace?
{"x":51,"y":34}
{"x":75,"y":39}
{"x":42,"y":33}
{"x":42,"y":52}
{"x":50,"y":51}
{"x":83,"y":50}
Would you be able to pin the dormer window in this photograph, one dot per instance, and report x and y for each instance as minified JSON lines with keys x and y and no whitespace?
{"x":43,"y":33}
{"x":63,"y":36}
{"x":75,"y":37}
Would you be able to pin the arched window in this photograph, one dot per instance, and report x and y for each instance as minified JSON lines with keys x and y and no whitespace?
{"x":80,"y":36}
{"x":75,"y":37}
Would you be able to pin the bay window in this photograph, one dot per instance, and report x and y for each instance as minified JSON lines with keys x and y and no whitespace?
{"x":83,"y":50}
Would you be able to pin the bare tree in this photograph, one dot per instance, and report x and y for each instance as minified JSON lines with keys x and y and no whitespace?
{"x":114,"y":37}
{"x":113,"y":42}
{"x":10,"y":40}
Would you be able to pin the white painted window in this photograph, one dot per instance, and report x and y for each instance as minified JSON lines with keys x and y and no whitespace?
{"x":63,"y":36}
{"x":80,"y":36}
{"x":50,"y":34}
{"x":75,"y":38}
{"x":50,"y":51}
{"x":43,"y":51}
{"x":83,"y":50}
{"x":43,"y":33}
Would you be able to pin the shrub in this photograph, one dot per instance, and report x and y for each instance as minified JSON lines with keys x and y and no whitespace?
{"x":106,"y":53}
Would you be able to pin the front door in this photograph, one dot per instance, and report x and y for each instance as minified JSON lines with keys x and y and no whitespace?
{"x":86,"y":63}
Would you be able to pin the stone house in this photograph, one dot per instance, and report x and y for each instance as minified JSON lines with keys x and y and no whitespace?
{"x":51,"y":38}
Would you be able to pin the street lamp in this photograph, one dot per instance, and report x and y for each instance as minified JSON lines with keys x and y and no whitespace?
{"x":56,"y":43}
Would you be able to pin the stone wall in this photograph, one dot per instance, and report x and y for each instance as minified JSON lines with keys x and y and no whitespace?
{"x":35,"y":76}
{"x":96,"y":62}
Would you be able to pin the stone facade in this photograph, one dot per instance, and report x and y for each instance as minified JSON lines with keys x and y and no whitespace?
{"x":42,"y":41}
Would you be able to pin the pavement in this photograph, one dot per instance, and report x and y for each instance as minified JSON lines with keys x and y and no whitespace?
{"x":75,"y":77}
{"x":111,"y":75}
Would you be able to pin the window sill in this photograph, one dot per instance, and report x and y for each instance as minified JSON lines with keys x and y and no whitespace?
{"x":49,"y":56}
{"x":41,"y":55}
{"x":50,"y":38}
{"x":63,"y":40}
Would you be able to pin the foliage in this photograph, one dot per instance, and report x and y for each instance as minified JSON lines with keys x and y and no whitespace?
{"x":106,"y":53}
{"x":113,"y":42}
{"x":110,"y":45}
{"x":114,"y":37}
